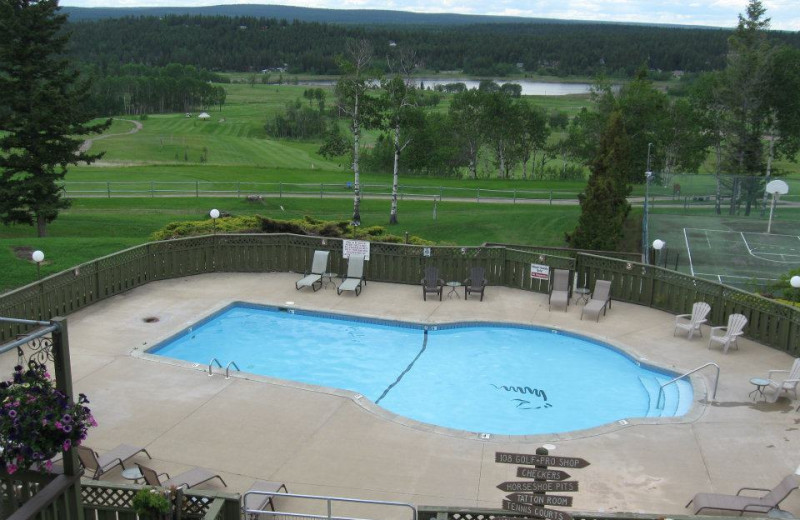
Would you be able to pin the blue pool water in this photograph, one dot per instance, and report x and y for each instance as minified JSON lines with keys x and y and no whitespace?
{"x":488,"y":378}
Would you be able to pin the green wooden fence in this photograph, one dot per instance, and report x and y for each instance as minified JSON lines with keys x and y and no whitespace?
{"x":770,"y":323}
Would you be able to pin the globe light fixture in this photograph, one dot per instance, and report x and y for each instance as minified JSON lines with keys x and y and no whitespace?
{"x":795,"y":281}
{"x":658,"y":244}
{"x":38,"y":257}
{"x":214,"y":214}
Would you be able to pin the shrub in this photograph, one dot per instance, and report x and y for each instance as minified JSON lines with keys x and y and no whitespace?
{"x":152,"y":502}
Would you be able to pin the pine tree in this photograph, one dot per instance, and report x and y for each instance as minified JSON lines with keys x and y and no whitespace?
{"x":41,"y":115}
{"x":604,"y":205}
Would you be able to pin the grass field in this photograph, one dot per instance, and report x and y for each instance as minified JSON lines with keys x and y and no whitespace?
{"x":96,"y":227}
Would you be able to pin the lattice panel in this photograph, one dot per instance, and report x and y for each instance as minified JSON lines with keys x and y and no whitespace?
{"x":102,"y":497}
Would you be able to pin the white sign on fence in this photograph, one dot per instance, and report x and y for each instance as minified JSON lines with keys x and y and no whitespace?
{"x":426,"y":251}
{"x":540,"y":272}
{"x":355,"y":247}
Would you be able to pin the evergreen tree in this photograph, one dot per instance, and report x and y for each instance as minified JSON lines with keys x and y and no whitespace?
{"x":604,"y":204}
{"x":41,"y":116}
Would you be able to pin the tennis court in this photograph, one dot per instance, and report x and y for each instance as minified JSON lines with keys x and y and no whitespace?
{"x":735,"y":251}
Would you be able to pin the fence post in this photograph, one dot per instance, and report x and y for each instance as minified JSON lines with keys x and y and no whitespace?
{"x":478,"y":195}
{"x":321,"y":189}
{"x":197,"y":189}
{"x":152,"y":190}
{"x":515,"y":195}
{"x":238,"y":190}
{"x":280,"y":190}
{"x":108,"y":189}
{"x":551,"y":197}
{"x":63,"y":370}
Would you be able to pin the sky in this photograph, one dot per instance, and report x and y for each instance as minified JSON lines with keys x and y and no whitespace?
{"x":785,"y":14}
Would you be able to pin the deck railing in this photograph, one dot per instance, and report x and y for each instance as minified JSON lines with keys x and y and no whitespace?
{"x":769,"y":322}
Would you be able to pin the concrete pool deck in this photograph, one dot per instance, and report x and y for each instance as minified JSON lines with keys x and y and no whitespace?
{"x":326,"y":443}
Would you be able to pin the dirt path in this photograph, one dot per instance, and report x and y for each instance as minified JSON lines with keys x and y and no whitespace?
{"x":87,"y":144}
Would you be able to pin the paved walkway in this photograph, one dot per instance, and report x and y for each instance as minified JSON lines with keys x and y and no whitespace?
{"x":328,"y":443}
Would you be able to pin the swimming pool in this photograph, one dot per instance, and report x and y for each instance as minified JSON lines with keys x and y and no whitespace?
{"x":479,"y":377}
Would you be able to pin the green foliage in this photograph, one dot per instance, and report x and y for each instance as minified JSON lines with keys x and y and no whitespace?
{"x":297,"y":122}
{"x":41,"y":113}
{"x":151,"y":502}
{"x":304,"y":226}
{"x":783,"y":289}
{"x":604,"y":206}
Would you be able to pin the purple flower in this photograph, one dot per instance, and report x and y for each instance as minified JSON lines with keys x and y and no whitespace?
{"x":67,"y":418}
{"x":67,"y":428}
{"x":67,"y":445}
{"x":11,"y":468}
{"x":12,"y":413}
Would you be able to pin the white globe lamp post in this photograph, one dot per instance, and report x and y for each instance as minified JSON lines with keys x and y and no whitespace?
{"x":38,"y":257}
{"x":214,"y":214}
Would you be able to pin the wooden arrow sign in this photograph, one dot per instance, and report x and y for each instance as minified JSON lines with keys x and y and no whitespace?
{"x":540,"y":460}
{"x":540,"y":500}
{"x":530,"y":486}
{"x":539,"y":512}
{"x":542,"y":474}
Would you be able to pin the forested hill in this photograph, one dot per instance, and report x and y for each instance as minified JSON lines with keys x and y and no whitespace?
{"x":223,"y":43}
{"x":303,"y":14}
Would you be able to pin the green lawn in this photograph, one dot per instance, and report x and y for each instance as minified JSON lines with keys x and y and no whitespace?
{"x":96,"y":227}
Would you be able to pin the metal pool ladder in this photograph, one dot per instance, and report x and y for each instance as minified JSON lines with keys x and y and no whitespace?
{"x":227,"y":367}
{"x":660,"y":403}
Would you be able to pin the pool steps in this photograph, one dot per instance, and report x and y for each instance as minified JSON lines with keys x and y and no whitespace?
{"x":676,"y":402}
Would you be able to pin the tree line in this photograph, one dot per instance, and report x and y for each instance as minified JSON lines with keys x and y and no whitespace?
{"x":221,"y":43}
{"x":134,"y":89}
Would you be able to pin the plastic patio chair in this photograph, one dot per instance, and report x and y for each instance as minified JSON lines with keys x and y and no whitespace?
{"x":745,"y":504}
{"x":319,"y":266}
{"x":476,"y":283}
{"x":778,"y":387}
{"x":355,"y":275}
{"x":189,"y":479}
{"x":101,"y":464}
{"x":600,"y":301}
{"x":432,"y":283}
{"x":727,"y":335}
{"x":691,"y":322}
{"x":559,"y":291}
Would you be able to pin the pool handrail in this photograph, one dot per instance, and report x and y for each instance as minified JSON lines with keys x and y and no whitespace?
{"x":659,"y":403}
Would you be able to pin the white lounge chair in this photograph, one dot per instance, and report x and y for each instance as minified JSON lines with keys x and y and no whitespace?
{"x":745,"y":504}
{"x":355,"y":275}
{"x":691,"y":322}
{"x":101,"y":464}
{"x":600,"y":301}
{"x":777,"y":387}
{"x":559,"y":291}
{"x":319,"y":266}
{"x":726,"y":336}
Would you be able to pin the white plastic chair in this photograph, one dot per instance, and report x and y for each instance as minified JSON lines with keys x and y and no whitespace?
{"x":777,"y":387}
{"x":726,"y":336}
{"x":691,"y":322}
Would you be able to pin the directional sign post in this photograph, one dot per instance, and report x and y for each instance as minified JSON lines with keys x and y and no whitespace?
{"x":540,"y":512}
{"x":540,"y":500}
{"x":527,"y":497}
{"x":540,"y":460}
{"x":542,"y":474}
{"x":567,"y":486}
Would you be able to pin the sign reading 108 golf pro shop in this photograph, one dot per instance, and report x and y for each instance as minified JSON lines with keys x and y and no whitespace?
{"x":527,"y":497}
{"x":355,"y":247}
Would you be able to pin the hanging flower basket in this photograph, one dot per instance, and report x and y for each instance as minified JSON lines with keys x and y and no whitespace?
{"x":37,"y":421}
